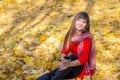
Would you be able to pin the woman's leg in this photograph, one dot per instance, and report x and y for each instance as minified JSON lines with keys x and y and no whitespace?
{"x":59,"y":75}
{"x":47,"y":76}
{"x":54,"y":75}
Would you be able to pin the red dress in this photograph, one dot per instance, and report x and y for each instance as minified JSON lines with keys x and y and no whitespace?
{"x":85,"y":53}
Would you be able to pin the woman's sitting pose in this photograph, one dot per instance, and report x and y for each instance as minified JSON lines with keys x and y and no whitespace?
{"x":78,"y":52}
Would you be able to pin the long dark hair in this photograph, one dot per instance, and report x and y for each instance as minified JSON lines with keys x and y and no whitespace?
{"x":70,"y":32}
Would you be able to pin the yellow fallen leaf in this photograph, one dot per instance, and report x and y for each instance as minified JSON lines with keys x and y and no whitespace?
{"x":86,"y":78}
{"x":42,"y":38}
{"x":37,"y":62}
{"x":30,"y":77}
{"x":29,"y":60}
{"x":78,"y":78}
{"x":109,"y":34}
{"x":18,"y":71}
{"x":13,"y":58}
{"x":3,"y":76}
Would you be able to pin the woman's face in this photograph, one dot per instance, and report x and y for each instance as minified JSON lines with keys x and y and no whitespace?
{"x":80,"y":24}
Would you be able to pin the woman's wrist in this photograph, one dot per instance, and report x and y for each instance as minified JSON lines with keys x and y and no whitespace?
{"x":69,"y":65}
{"x":74,"y":63}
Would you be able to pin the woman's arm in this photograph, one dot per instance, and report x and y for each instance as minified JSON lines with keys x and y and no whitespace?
{"x":65,"y":51}
{"x":74,"y":63}
{"x":85,"y":54}
{"x":83,"y":58}
{"x":86,"y":50}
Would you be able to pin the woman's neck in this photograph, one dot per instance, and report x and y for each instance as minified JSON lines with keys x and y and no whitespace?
{"x":78,"y":32}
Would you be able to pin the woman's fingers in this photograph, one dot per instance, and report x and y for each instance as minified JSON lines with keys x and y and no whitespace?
{"x":62,"y":66}
{"x":63,"y":59}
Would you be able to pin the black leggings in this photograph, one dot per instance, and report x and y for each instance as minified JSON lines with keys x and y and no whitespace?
{"x":68,"y":73}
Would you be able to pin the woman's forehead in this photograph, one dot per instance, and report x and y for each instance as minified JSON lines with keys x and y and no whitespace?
{"x":82,"y":19}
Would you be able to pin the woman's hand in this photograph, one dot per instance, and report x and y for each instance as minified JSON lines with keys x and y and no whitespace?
{"x":62,"y":66}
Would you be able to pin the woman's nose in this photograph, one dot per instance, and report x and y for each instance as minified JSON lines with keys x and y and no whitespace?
{"x":80,"y":23}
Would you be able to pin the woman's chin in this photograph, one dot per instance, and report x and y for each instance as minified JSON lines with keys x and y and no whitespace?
{"x":78,"y":29}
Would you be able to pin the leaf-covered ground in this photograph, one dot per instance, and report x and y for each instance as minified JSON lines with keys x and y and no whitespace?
{"x":32,"y":34}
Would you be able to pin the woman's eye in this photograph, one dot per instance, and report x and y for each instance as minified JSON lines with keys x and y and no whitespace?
{"x":84,"y":21}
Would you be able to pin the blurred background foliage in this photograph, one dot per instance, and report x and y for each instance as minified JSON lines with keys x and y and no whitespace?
{"x":32,"y":34}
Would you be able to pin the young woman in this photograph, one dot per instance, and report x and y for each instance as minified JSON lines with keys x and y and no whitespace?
{"x":78,"y":53}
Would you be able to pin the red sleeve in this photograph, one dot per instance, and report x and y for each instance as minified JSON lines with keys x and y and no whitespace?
{"x":65,"y":50}
{"x":85,"y":53}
